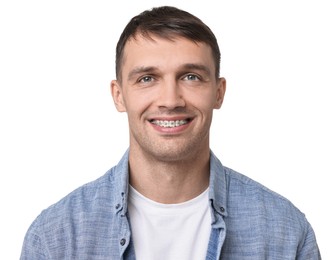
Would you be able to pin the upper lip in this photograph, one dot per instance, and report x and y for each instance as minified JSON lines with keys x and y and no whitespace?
{"x":170,"y":118}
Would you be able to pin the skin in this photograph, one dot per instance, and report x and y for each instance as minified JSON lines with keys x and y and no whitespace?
{"x":168,"y":80}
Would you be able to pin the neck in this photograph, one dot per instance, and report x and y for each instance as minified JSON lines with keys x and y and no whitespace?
{"x":169,"y":182}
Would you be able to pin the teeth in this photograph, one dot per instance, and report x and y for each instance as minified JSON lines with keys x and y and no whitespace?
{"x":166,"y":123}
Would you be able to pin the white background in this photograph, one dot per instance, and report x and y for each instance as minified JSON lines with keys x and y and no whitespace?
{"x":59,"y":128}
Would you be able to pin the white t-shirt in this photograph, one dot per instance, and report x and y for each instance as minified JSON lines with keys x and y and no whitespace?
{"x":169,"y":231}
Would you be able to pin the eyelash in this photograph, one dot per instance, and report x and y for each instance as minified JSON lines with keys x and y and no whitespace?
{"x":145,"y":79}
{"x":195,"y":77}
{"x":186,"y":77}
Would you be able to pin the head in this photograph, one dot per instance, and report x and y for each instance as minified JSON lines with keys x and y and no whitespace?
{"x":167,"y":67}
{"x":167,"y":22}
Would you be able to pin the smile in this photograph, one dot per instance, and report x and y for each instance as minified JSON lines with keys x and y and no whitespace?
{"x":169,"y":123}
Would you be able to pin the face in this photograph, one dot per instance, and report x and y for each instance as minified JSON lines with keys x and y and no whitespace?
{"x":169,"y":90}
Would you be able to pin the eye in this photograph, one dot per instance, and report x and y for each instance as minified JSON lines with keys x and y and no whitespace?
{"x":192,"y":77}
{"x":146,"y":79}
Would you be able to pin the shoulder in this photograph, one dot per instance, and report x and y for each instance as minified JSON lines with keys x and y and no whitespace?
{"x":241,"y":186}
{"x":96,"y":197}
{"x":247,"y":195}
{"x":238,"y":181}
{"x":78,"y":222}
{"x":84,"y":200}
{"x":241,"y":193}
{"x":272,"y":218}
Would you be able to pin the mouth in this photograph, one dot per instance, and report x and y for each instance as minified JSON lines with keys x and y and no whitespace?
{"x":170,"y":123}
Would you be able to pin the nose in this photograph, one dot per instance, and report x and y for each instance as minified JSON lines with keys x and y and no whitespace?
{"x":171,"y":95}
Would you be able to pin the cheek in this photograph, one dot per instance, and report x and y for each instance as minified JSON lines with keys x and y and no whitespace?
{"x":204,"y":101}
{"x":137,"y":102}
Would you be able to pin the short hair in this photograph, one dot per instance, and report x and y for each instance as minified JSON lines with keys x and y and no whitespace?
{"x":167,"y":22}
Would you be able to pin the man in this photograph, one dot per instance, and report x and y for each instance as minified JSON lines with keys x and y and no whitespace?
{"x":170,"y":197}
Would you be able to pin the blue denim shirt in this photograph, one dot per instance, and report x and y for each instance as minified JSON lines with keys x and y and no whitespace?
{"x":248,"y":222}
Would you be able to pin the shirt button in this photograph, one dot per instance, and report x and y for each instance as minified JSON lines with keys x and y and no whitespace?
{"x":117,"y":206}
{"x":222,"y":209}
{"x":122,"y":241}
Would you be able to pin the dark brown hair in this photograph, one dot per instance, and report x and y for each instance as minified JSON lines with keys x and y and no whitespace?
{"x":167,"y":22}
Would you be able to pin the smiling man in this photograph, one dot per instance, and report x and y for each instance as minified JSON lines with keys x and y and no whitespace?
{"x":169,"y":101}
{"x":170,"y":197}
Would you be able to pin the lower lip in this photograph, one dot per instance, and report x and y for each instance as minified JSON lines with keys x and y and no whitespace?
{"x":171,"y":130}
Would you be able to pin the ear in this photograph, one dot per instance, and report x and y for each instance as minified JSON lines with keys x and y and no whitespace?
{"x":117,"y":95}
{"x":221,"y":88}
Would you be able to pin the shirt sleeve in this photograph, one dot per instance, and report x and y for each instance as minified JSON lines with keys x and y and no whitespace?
{"x":309,"y":249}
{"x":32,"y":246}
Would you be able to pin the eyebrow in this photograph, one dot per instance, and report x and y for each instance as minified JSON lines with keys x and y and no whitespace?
{"x":140,"y":70}
{"x":196,"y":66}
{"x":151,"y":69}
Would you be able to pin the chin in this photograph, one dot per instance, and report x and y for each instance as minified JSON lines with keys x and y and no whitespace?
{"x":175,"y":154}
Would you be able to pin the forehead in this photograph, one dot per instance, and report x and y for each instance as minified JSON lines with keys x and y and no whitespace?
{"x":165,"y":53}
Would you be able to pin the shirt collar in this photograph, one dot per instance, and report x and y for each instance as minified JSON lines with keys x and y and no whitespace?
{"x":119,"y":178}
{"x":218,"y":185}
{"x":217,"y":188}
